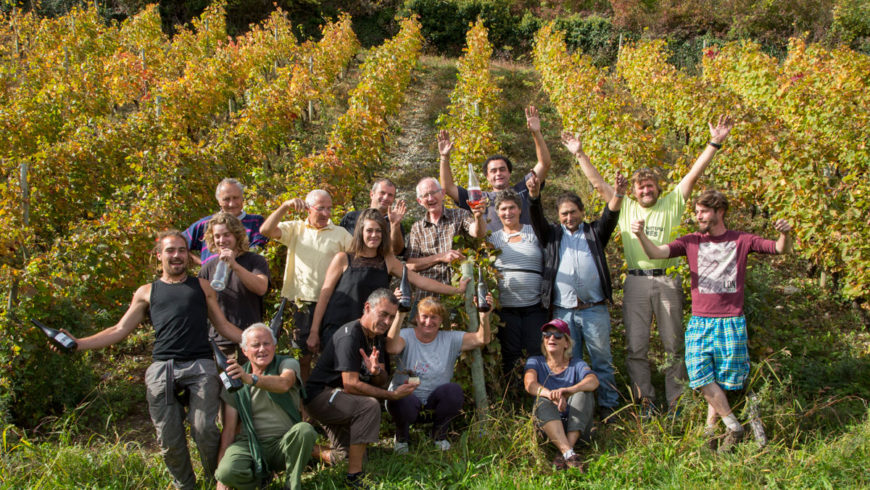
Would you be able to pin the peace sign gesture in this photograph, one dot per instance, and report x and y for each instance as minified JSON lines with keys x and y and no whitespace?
{"x":371,"y":362}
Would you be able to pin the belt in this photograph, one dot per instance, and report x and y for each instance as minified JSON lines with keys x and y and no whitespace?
{"x":646,"y":272}
{"x":583,"y":306}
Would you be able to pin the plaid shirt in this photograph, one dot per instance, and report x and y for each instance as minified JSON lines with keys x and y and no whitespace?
{"x":428,"y":238}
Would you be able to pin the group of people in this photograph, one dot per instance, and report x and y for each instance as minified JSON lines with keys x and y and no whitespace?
{"x":554,"y":290}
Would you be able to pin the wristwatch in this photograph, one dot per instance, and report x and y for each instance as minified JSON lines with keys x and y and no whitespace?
{"x":254,"y":380}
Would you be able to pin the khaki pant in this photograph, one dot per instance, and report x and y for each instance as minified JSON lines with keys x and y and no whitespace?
{"x":200,"y":378}
{"x":348,"y":420}
{"x":662,"y":296}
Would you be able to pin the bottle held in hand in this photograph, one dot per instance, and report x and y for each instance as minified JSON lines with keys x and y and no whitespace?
{"x":277,"y":322}
{"x":58,"y":338}
{"x":230,"y":384}
{"x":482,"y":304}
{"x":219,"y":282}
{"x":475,"y":195}
{"x":405,"y":289}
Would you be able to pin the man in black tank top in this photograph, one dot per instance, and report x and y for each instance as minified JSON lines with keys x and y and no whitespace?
{"x":179,"y":306}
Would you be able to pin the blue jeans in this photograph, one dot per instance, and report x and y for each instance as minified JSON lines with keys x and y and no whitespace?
{"x":592,"y":325}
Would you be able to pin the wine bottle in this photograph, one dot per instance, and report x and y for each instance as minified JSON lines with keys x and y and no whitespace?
{"x":475,"y":195}
{"x":57,"y":337}
{"x":219,"y":281}
{"x":482,"y":304}
{"x":405,"y":288}
{"x":231,"y":384}
{"x":277,"y":323}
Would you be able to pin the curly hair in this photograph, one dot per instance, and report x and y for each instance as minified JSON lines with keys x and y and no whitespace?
{"x":507,"y":195}
{"x":234,"y":225}
{"x":647,"y":173}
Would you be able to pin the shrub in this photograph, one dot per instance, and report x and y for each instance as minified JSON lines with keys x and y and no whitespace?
{"x":445,"y":22}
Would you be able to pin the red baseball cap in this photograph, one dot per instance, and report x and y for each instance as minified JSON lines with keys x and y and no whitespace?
{"x":558,"y":324}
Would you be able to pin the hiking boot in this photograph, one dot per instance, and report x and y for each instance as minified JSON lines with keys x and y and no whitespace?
{"x":576,"y":462}
{"x":400,"y":447}
{"x":732,"y":437}
{"x":560,"y":463}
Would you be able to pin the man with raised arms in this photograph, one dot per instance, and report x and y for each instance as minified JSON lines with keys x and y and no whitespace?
{"x":649,"y":290}
{"x":717,"y":356}
{"x":498,"y":170}
{"x":179,"y":306}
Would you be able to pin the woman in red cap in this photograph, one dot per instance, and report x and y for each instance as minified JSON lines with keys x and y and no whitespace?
{"x":563,"y":388}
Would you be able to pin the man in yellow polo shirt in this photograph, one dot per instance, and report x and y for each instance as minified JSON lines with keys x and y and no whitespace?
{"x":311,"y":245}
{"x":648,"y":289}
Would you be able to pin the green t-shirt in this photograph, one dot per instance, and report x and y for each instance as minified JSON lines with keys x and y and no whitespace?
{"x":270,"y":420}
{"x":661,"y":223}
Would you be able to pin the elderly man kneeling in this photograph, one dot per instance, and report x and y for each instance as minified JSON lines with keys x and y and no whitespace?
{"x":271,"y":436}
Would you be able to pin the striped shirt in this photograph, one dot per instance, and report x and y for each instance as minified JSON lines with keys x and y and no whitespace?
{"x":520,"y":264}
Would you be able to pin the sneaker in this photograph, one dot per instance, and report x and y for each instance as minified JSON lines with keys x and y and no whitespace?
{"x":576,"y":462}
{"x":400,"y":447}
{"x":560,"y":463}
{"x":732,"y":437}
{"x":443,"y":445}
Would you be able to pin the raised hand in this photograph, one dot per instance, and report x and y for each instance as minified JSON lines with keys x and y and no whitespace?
{"x":445,"y":146}
{"x":533,"y":120}
{"x":371,"y":361}
{"x":477,"y":209}
{"x":572,"y":142}
{"x":719,"y":133}
{"x":296,"y":204}
{"x":637,"y":227}
{"x":782,"y":226}
{"x":397,"y":212}
{"x":533,"y":183}
{"x":621,"y":184}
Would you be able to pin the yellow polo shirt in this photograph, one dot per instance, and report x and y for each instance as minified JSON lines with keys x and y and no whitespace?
{"x":309,"y":252}
{"x":661,"y":226}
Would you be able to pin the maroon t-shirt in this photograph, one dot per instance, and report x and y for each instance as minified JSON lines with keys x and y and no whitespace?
{"x":718,"y":267}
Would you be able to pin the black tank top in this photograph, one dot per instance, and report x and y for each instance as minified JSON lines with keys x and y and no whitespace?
{"x":361,"y":278}
{"x":180,"y":317}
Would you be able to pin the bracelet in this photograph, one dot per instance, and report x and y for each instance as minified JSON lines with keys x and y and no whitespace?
{"x":718,"y":146}
{"x":620,"y":195}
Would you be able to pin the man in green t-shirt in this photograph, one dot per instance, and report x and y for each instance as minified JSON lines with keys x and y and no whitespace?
{"x":263,"y":430}
{"x":649,"y":291}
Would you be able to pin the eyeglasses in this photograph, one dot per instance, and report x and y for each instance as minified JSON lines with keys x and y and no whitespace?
{"x":557,"y":335}
{"x":430,"y":194}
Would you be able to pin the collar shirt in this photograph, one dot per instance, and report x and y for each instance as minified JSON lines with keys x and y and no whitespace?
{"x":429,"y":238}
{"x":309,"y":252}
{"x":577,"y":279}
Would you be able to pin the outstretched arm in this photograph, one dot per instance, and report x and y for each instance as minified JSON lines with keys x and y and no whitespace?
{"x":445,"y":146}
{"x":784,"y":242}
{"x":533,"y":122}
{"x":718,"y":135}
{"x":575,"y":146}
{"x":116,"y":333}
{"x":473,"y":340}
{"x":652,"y":251}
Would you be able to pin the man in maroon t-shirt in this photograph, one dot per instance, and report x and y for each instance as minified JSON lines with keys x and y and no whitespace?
{"x":717,"y":357}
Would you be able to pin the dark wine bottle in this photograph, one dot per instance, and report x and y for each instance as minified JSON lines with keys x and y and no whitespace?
{"x":482,"y":304}
{"x":58,"y":338}
{"x":277,"y":323}
{"x":405,"y":288}
{"x":230,"y":384}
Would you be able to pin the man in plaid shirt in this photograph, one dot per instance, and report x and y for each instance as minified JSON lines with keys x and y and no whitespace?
{"x":430,"y":243}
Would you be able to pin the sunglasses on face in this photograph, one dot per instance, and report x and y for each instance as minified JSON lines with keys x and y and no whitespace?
{"x":558,"y":335}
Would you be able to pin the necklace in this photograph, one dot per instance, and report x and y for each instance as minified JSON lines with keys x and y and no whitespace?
{"x":174,"y":281}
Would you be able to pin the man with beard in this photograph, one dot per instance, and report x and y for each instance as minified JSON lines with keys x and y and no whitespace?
{"x":649,"y":289}
{"x":717,"y":357}
{"x":383,"y":195}
{"x":180,"y":307}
